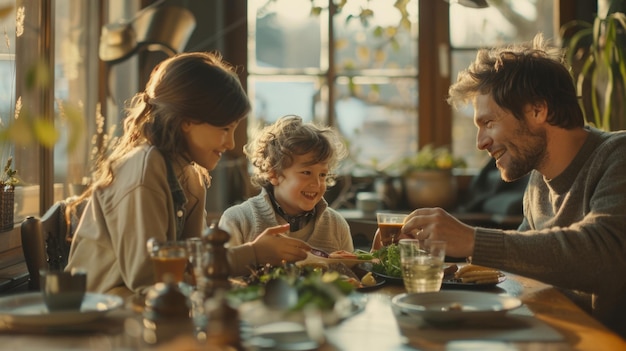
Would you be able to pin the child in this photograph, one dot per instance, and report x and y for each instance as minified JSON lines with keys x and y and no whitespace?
{"x":292,"y":164}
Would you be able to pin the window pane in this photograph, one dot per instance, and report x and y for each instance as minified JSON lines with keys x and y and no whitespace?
{"x":375,"y":44}
{"x":275,"y":97}
{"x":463,"y":129}
{"x":387,"y":39}
{"x":502,"y":22}
{"x":74,"y":92}
{"x":7,"y":69}
{"x":7,"y":88}
{"x":377,"y":117}
{"x":25,"y":159}
{"x":7,"y":26}
{"x":283,"y":34}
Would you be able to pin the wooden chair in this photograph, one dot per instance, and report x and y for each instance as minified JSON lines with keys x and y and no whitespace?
{"x":46,"y":241}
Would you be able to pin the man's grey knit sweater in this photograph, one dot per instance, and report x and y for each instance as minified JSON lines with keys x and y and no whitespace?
{"x":574,"y":232}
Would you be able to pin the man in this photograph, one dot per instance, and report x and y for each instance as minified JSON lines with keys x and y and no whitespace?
{"x":573,"y":235}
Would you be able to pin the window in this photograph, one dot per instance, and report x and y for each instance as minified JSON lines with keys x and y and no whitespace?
{"x":26,"y":197}
{"x":74,"y":86}
{"x":67,"y":98}
{"x":7,"y":67}
{"x":357,"y":73}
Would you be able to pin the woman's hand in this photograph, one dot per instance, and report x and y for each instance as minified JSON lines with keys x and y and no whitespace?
{"x":273,"y":247}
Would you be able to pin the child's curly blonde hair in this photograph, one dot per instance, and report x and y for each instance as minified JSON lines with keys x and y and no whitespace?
{"x":273,"y":148}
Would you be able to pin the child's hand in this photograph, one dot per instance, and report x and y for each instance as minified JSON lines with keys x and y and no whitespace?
{"x":273,"y":248}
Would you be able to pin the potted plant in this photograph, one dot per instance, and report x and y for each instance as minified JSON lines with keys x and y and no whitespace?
{"x":8,"y":180}
{"x":428,"y":177}
{"x":597,"y":54}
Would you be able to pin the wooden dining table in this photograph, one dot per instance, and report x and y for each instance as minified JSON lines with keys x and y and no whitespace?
{"x":573,"y":328}
{"x":561,"y":325}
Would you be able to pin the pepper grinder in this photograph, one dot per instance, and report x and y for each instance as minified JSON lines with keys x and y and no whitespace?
{"x":222,"y":330}
{"x":222,"y":320}
{"x":166,"y":314}
{"x":217,"y":268}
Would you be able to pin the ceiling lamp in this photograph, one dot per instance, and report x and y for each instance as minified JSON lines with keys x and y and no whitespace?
{"x":164,"y":28}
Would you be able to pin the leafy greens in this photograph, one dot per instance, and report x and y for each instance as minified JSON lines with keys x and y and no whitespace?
{"x":389,"y":261}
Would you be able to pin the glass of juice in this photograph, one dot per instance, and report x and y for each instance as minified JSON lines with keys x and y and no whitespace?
{"x":389,"y":225}
{"x":170,"y":257}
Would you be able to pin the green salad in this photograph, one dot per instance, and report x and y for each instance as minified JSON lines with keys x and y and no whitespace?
{"x":363,"y":255}
{"x":389,"y":261}
{"x":314,"y":285}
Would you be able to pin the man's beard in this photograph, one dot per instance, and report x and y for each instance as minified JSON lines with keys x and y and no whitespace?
{"x":527,"y":156}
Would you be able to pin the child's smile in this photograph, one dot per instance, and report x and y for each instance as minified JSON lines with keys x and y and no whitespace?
{"x":301,"y":186}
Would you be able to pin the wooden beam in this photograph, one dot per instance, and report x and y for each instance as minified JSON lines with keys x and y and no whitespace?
{"x":434,"y":113}
{"x":236,"y":52}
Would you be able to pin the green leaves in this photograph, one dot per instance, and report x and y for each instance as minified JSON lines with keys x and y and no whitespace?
{"x":29,"y":128}
{"x":363,"y":255}
{"x":430,"y":157}
{"x":26,"y":127}
{"x":9,"y":175}
{"x":314,"y":286}
{"x":389,"y":264}
{"x":597,"y":54}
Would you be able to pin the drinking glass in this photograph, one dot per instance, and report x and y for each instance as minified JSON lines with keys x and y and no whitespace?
{"x":199,"y":254}
{"x":422,"y":264}
{"x":389,"y":225}
{"x":63,"y":290}
{"x":198,"y":257}
{"x":168,"y":257}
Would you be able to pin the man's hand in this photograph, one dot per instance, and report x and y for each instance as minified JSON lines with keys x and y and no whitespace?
{"x":437,"y":224}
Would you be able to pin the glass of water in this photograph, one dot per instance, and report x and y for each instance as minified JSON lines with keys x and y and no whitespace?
{"x":198,"y":258}
{"x":422,"y":264}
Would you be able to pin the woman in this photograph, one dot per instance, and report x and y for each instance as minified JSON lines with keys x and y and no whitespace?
{"x":153,"y":183}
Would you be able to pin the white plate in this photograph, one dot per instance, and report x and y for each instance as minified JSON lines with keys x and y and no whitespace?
{"x":313,"y":259}
{"x":29,"y":309}
{"x":435,"y":306}
{"x":451,"y":282}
